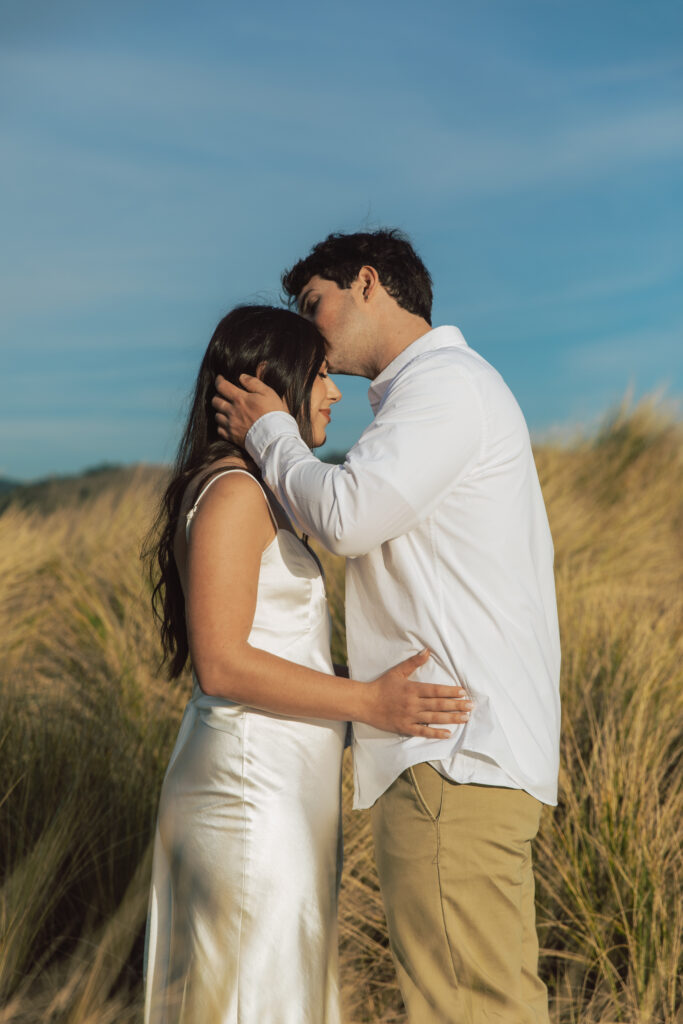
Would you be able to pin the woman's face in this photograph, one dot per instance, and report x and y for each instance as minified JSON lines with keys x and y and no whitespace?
{"x":324,"y":393}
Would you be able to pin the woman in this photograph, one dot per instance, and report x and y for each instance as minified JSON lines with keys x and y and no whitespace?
{"x":242,"y":923}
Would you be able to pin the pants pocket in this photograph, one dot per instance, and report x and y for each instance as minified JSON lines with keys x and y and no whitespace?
{"x":428,"y":786}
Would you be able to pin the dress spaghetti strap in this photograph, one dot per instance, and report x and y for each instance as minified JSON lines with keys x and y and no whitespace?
{"x":217,"y":476}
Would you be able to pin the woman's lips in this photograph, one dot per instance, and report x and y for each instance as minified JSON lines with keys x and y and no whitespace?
{"x":326,"y":413}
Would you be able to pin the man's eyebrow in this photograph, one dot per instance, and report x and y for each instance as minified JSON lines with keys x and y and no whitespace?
{"x":301,"y":302}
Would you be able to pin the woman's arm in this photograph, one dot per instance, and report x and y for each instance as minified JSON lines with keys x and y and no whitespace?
{"x":229,"y":532}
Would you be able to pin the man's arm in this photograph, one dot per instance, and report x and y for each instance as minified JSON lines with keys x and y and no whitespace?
{"x":428,"y":434}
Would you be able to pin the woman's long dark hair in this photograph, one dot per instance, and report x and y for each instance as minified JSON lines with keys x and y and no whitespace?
{"x":293,"y":351}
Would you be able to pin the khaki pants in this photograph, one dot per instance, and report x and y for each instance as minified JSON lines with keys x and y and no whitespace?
{"x":454,"y":865}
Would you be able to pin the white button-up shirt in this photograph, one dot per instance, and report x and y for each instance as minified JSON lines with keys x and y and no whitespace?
{"x":439,"y":512}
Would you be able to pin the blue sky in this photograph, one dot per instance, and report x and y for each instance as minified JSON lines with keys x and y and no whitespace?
{"x":162,"y":162}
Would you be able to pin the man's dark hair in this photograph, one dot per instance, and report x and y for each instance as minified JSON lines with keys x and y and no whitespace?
{"x":340,"y":257}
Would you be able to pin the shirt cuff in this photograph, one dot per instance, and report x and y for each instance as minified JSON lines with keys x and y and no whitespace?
{"x":266,"y":430}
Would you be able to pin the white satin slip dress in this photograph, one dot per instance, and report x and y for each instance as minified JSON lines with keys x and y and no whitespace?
{"x":242,"y":925}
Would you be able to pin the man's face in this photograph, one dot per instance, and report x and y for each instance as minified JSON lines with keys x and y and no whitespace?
{"x":340,"y":316}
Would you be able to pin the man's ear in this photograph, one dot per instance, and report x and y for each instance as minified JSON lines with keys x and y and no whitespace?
{"x":261,"y":370}
{"x":368,"y":281}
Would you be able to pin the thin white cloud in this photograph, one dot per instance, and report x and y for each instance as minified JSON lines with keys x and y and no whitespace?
{"x":649,"y":353}
{"x":557,"y":156}
{"x":155,"y":104}
{"x":631,"y":72}
{"x":579,"y":291}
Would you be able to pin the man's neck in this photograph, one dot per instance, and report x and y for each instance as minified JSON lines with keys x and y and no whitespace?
{"x":399,"y":334}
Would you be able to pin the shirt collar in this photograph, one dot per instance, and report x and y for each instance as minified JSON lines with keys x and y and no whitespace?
{"x":439,"y":337}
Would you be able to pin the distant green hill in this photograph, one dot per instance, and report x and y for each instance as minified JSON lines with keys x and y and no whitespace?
{"x":57,"y":491}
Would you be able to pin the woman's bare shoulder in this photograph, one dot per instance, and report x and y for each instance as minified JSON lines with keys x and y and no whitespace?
{"x":224,"y":495}
{"x":198,"y":483}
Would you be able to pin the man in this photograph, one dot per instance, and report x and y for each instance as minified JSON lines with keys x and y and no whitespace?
{"x":439,"y":512}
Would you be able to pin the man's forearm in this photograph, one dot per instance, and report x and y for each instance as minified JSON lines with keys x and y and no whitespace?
{"x":348,"y":510}
{"x":421,"y":442}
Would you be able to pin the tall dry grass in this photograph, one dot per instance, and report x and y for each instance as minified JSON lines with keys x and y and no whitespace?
{"x":87,"y":728}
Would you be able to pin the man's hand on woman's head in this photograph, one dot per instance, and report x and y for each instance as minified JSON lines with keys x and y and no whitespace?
{"x":237,"y":409}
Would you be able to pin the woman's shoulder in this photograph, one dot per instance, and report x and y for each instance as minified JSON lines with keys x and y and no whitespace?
{"x":227,"y":486}
{"x":212,"y":478}
{"x":232,"y":507}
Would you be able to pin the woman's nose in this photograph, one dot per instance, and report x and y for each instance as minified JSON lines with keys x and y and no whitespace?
{"x":333,"y":392}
